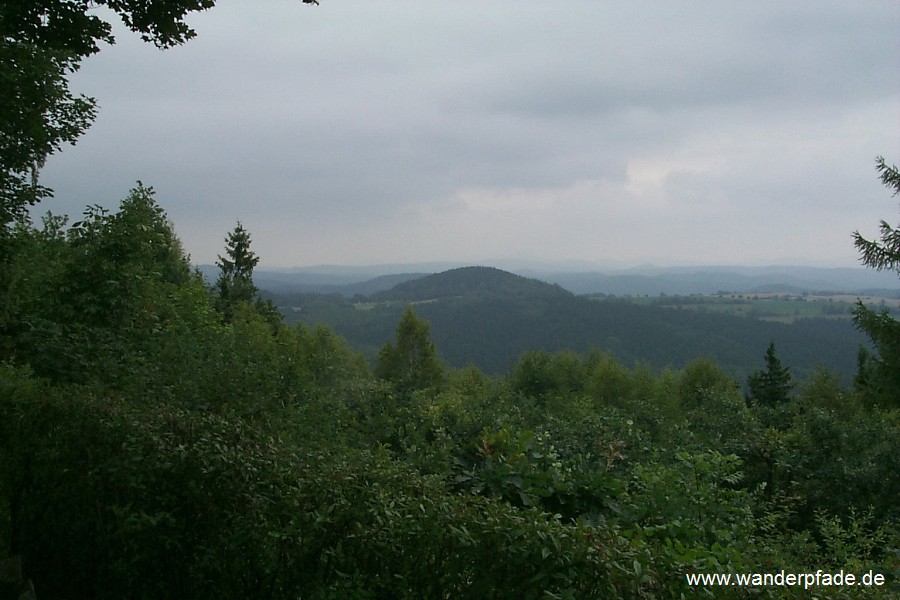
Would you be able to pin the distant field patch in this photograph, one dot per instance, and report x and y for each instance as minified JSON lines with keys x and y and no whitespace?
{"x":767,"y":306}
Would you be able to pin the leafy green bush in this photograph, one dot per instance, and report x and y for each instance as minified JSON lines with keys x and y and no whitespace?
{"x":112,"y":500}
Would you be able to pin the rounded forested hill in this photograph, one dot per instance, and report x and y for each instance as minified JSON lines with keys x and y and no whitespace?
{"x":489,"y":317}
{"x":471,"y":282}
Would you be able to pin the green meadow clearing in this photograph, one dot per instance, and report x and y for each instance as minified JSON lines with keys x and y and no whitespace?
{"x":769,"y":306}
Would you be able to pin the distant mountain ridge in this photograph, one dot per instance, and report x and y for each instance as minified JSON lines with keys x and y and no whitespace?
{"x":709,"y":280}
{"x":344,"y":284}
{"x":638,"y":281}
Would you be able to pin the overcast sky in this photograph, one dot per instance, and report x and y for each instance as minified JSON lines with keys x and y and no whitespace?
{"x":360,"y":132}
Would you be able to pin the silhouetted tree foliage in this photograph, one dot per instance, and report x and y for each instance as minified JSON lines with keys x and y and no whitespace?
{"x":42,"y":42}
{"x":882,"y":378}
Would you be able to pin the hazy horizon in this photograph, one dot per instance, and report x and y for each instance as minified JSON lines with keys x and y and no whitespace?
{"x":573,"y":265}
{"x":577,"y":273}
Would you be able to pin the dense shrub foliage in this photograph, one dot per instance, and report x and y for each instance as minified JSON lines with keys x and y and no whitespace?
{"x":153,"y":445}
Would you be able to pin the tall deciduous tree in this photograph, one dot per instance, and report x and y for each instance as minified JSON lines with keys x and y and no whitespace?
{"x":39,"y":116}
{"x":42,"y":42}
{"x":117,"y":260}
{"x":882,"y":376}
{"x":85,"y":302}
{"x":235,"y":283}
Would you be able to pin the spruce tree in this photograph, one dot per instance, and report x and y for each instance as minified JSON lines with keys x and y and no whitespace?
{"x":235,"y":283}
{"x":770,"y":387}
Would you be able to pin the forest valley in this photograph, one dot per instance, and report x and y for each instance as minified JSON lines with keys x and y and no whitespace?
{"x":161,"y":437}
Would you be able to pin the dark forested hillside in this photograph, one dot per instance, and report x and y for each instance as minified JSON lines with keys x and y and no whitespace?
{"x":473,"y":283}
{"x":488,"y":318}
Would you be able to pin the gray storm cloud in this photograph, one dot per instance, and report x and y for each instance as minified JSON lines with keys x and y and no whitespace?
{"x":390,"y":132}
